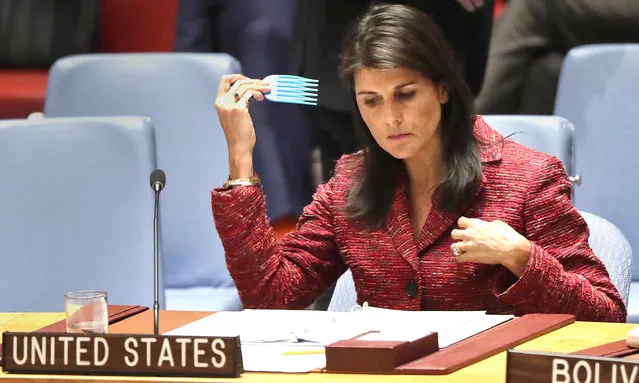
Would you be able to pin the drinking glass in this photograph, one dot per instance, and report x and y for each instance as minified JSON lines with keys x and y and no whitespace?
{"x":86,"y":311}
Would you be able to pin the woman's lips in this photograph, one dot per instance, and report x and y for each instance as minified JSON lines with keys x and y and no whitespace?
{"x":399,"y":136}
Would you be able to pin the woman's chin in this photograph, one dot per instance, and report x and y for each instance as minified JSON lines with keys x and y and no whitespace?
{"x":402,"y":154}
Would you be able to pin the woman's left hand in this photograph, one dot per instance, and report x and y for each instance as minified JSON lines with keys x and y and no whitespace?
{"x":494,"y":243}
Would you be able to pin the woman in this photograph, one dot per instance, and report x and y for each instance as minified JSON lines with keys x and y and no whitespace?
{"x":439,"y":212}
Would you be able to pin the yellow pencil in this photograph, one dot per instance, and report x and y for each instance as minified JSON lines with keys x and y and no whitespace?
{"x":305,"y":352}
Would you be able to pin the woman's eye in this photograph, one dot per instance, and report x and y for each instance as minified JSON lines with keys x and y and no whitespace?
{"x":371,"y":101}
{"x":406,"y":95}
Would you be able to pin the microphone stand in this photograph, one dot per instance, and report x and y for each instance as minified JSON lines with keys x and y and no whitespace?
{"x":156,"y":264}
{"x":157,"y":181}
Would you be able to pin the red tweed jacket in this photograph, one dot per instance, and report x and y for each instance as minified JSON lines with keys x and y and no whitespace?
{"x":527,"y":189}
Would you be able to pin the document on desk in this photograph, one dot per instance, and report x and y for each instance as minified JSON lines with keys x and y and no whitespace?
{"x":278,"y":340}
{"x":450,"y":326}
{"x":293,"y":340}
{"x":281,"y":326}
{"x":276,"y":357}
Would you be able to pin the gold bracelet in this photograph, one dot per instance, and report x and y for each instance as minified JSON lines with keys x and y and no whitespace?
{"x":246,"y":181}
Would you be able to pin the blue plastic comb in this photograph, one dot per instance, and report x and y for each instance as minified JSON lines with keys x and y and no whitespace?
{"x":292,"y":89}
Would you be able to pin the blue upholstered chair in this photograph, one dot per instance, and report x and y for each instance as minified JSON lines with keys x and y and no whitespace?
{"x":547,"y":134}
{"x":77,"y":211}
{"x":599,"y":93}
{"x":552,"y":135}
{"x":177,"y":91}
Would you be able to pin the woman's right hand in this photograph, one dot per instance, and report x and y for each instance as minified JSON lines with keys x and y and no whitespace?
{"x":234,"y":95}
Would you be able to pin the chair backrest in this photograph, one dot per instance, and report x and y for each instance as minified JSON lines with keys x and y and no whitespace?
{"x":599,"y":93}
{"x":606,"y":241}
{"x":612,"y":247}
{"x":549,"y":134}
{"x":77,"y":211}
{"x":344,"y":296}
{"x":177,"y":90}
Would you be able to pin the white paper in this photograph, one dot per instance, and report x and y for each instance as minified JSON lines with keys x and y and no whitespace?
{"x":277,"y":358}
{"x":266,"y":334}
{"x":450,"y":326}
{"x":282,"y":326}
{"x":433,"y":321}
{"x":266,"y":337}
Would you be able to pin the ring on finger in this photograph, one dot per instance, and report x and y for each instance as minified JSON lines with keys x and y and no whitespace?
{"x":248,"y":97}
{"x":457,"y":252}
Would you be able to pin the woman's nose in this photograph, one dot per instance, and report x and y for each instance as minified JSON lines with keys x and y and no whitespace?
{"x":393,"y":115}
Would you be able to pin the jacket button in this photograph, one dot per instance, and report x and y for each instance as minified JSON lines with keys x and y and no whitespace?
{"x":411,"y":289}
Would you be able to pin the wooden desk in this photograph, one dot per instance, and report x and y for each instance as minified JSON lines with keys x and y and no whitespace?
{"x":571,"y":338}
{"x":7,"y":317}
{"x":27,"y":321}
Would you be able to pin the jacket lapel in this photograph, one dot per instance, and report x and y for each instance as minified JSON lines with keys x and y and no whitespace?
{"x":439,"y":222}
{"x":400,"y":227}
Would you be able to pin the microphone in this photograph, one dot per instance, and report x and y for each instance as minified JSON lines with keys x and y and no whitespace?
{"x":157,"y":181}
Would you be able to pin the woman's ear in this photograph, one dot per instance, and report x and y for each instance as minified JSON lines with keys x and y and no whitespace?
{"x":442,"y":92}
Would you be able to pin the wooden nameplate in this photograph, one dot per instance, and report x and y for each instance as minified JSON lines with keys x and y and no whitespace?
{"x":609,"y":362}
{"x":121,"y":354}
{"x":618,"y":349}
{"x":486,"y":344}
{"x":116,"y":313}
{"x":537,"y":367}
{"x":366,"y":353}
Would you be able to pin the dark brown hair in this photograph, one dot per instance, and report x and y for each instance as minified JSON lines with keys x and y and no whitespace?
{"x":394,"y":36}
